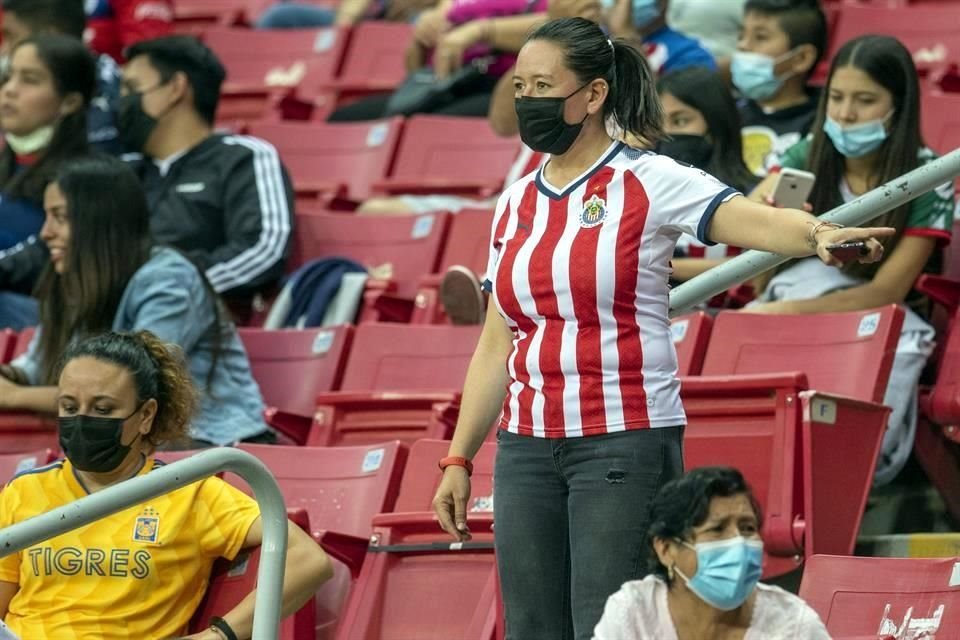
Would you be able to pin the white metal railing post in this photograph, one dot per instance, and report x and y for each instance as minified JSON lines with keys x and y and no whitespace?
{"x":273,"y":513}
{"x":854,"y":213}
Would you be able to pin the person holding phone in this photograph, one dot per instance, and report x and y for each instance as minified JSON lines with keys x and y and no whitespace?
{"x":867,"y":132}
{"x":575,"y":362}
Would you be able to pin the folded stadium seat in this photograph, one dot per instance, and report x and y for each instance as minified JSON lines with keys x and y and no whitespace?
{"x":793,"y":402}
{"x":315,"y":358}
{"x":373,"y":63}
{"x":451,"y":155}
{"x":336,"y":160}
{"x":691,"y":333}
{"x":13,"y":463}
{"x":400,"y":249}
{"x":928,"y":31}
{"x":339,"y":490}
{"x":402,"y":382}
{"x":22,"y":430}
{"x":884,"y":597}
{"x":8,"y":340}
{"x":468,"y":245}
{"x":264,"y":66}
{"x":415,"y":582}
{"x":194,"y":17}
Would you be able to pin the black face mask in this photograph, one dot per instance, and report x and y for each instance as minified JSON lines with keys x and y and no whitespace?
{"x":690,"y":149}
{"x":92,"y":443}
{"x":542,"y":127}
{"x":134,"y":125}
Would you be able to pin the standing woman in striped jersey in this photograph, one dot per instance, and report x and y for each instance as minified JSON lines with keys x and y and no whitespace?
{"x":575,"y":357}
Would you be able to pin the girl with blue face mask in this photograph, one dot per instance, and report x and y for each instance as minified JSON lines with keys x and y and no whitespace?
{"x":866,"y":133}
{"x":706,"y":560}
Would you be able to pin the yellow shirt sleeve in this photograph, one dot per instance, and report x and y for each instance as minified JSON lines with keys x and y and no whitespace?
{"x":225,"y":515}
{"x":9,"y":565}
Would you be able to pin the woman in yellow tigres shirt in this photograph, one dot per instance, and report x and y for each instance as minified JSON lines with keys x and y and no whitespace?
{"x":142,"y":572}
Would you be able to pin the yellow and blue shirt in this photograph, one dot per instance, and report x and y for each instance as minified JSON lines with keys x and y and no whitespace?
{"x":140,"y":573}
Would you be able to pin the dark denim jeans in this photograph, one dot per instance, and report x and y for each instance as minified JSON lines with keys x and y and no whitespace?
{"x":571,"y":518}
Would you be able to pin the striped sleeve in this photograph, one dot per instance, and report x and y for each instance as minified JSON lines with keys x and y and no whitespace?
{"x":257,"y":219}
{"x":500,"y":217}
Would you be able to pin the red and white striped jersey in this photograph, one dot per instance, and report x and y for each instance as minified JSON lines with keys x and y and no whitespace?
{"x":580,"y":275}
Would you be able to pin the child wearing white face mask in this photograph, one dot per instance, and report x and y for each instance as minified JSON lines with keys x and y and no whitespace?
{"x":867,"y":132}
{"x":779,"y":46}
{"x":705,"y":556}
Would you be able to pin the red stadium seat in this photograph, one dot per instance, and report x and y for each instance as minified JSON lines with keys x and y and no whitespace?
{"x":374,"y":61}
{"x":8,"y":340}
{"x":884,"y":597}
{"x":691,"y":332}
{"x":796,"y":442}
{"x":13,"y":463}
{"x":337,"y":160}
{"x":265,"y":66}
{"x":402,"y":382}
{"x":445,"y":154}
{"x":468,"y":245}
{"x":195,"y":16}
{"x":340,"y":491}
{"x":23,"y":431}
{"x":409,"y":244}
{"x":455,"y":586}
{"x":929,"y":32}
{"x":315,"y":358}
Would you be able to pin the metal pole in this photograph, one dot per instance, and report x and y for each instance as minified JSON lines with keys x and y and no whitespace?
{"x":854,"y":213}
{"x":273,"y":514}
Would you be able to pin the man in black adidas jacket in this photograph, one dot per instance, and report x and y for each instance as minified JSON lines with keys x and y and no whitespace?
{"x":225,"y":201}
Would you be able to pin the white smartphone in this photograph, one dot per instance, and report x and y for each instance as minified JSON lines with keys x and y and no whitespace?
{"x":793,"y":188}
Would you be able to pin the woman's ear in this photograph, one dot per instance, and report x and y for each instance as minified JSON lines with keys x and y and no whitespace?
{"x":72,"y":102}
{"x":599,"y":93}
{"x":148,"y":413}
{"x":666,"y":551}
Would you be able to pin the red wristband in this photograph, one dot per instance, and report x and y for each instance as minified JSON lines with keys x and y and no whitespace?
{"x":456,"y":461}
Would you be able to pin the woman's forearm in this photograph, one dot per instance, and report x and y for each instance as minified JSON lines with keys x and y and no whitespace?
{"x":687,"y":268}
{"x":27,"y":398}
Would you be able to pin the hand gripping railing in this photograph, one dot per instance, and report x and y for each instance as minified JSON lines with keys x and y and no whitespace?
{"x":854,"y":213}
{"x":273,"y":514}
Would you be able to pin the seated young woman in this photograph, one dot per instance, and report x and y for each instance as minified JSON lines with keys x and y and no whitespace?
{"x":106,"y":273}
{"x":867,"y":132}
{"x":142,"y":572}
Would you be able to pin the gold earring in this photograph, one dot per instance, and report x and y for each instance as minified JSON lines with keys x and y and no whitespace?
{"x":670,"y":572}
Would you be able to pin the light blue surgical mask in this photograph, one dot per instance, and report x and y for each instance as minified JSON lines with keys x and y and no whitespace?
{"x":753,"y":74}
{"x":727,"y":571}
{"x":857,"y":140}
{"x":644,"y":12}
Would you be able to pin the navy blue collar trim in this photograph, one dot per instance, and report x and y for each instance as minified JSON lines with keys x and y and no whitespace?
{"x":546,"y":190}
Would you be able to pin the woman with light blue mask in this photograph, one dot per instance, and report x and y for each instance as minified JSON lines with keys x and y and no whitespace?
{"x":705,"y":560}
{"x":867,"y":132}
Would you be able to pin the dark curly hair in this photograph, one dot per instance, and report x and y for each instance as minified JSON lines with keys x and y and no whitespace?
{"x":159,"y":372}
{"x":684,"y":504}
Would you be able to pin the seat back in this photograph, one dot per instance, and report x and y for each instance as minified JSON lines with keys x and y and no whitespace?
{"x":23,"y":341}
{"x":422,"y":477}
{"x":691,"y":333}
{"x":468,"y":241}
{"x":374,"y":58}
{"x":883,"y":596}
{"x":314,"y":358}
{"x":389,"y":356}
{"x":8,"y":339}
{"x":409,"y":244}
{"x":325,"y":157}
{"x":13,"y":463}
{"x":454,"y":149}
{"x":847,"y":354}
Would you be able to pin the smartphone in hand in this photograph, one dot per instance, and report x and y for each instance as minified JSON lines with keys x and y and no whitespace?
{"x":793,"y":188}
{"x":848,"y":251}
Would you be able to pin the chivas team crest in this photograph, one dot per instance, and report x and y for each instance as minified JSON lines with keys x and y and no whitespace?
{"x":594,"y":212}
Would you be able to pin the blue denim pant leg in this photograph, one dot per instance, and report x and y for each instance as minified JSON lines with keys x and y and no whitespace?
{"x":571,"y":521}
{"x":293,"y":15}
{"x":18,"y":311}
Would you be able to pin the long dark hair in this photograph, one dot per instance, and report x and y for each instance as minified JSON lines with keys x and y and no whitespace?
{"x":73,"y":70}
{"x":889,"y":64}
{"x":632,"y":102}
{"x":706,"y":92}
{"x":109,"y":241}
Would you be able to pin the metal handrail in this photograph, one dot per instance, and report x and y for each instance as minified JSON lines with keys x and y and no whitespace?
{"x":856,"y":212}
{"x":273,"y":514}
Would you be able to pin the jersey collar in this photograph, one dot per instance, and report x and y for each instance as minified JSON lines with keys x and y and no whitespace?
{"x":558,"y":194}
{"x":76,"y":484}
